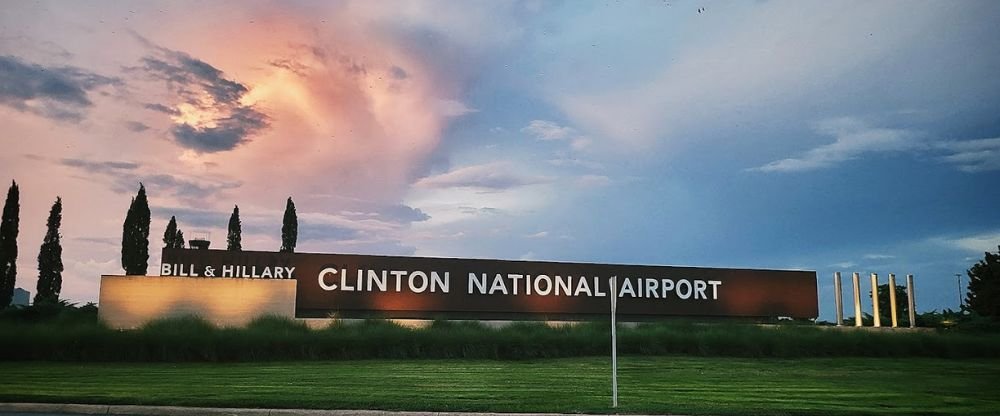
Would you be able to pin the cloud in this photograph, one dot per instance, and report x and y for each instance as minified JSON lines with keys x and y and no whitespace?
{"x":593,"y":181}
{"x":540,"y":234}
{"x":209,"y":112}
{"x":223,"y":133}
{"x":99,"y":240}
{"x":136,"y":126}
{"x":403,"y":213}
{"x":104,"y":167}
{"x":878,"y":257}
{"x":853,"y":138}
{"x":978,"y":243}
{"x":186,"y":189}
{"x":58,"y":93}
{"x":475,"y":211}
{"x":491,"y":176}
{"x":547,"y":130}
{"x":452,"y":108}
{"x":193,"y":217}
{"x":973,"y":156}
{"x":161,"y":108}
{"x":124,"y":177}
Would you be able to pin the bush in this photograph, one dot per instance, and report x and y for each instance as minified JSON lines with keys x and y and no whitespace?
{"x":65,"y":332}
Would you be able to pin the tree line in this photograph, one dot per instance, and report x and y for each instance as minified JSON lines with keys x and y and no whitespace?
{"x":134,"y":250}
{"x":135,"y":233}
{"x":983,"y":296}
{"x":50,"y":266}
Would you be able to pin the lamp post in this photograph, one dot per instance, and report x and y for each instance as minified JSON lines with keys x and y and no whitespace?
{"x":958,"y":276}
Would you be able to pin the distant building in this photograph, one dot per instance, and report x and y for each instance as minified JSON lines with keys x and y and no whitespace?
{"x":21,"y":297}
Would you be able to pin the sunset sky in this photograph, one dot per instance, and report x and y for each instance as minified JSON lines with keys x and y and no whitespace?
{"x":828,"y":136}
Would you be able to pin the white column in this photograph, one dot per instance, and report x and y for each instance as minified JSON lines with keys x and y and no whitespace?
{"x":878,"y":321}
{"x":910,"y":296}
{"x":839,"y":297}
{"x":892,"y":299}
{"x":857,"y":299}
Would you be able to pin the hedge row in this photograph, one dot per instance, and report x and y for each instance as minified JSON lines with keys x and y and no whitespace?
{"x":272,"y":339}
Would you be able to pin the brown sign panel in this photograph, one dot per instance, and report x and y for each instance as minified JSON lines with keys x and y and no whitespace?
{"x":349,"y":285}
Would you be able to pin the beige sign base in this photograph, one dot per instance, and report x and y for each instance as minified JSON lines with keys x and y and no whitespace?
{"x":130,"y":301}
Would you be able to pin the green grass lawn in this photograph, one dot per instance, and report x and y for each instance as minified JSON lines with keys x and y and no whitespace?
{"x":694,"y":385}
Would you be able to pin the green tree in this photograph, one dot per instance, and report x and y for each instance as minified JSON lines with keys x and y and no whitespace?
{"x":135,"y":235}
{"x":50,"y":265}
{"x":173,"y":237}
{"x":289,"y":228}
{"x":8,"y":244}
{"x":984,"y":286}
{"x":235,"y":233}
{"x":885,"y":305}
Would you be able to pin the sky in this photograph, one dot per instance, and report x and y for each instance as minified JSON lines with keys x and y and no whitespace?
{"x":828,"y":136}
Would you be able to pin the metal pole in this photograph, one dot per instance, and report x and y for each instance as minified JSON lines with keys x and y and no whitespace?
{"x":892,"y":299}
{"x":839,"y":296}
{"x":910,"y":299}
{"x":614,"y":342}
{"x":878,"y":321}
{"x":857,"y":299}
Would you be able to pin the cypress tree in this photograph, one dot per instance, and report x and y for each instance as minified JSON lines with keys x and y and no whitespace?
{"x":235,"y":233}
{"x":289,"y":228}
{"x":8,"y":244}
{"x":179,"y":240}
{"x":50,"y":265}
{"x":128,"y":237}
{"x":170,"y":235}
{"x":135,"y":235}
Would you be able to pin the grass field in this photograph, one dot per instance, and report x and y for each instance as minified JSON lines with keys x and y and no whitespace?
{"x":693,"y":385}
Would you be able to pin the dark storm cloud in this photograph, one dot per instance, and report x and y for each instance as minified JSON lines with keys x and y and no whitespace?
{"x":58,"y":93}
{"x":190,"y":79}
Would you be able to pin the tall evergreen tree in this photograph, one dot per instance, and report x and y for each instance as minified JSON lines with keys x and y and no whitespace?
{"x":50,"y":265}
{"x":984,"y":286}
{"x":128,"y":240}
{"x":170,"y":235}
{"x":289,"y":228}
{"x":173,"y":237}
{"x":135,"y":235}
{"x":235,"y":233}
{"x":8,"y":244}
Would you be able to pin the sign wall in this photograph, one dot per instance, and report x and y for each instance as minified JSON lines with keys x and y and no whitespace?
{"x":349,"y":285}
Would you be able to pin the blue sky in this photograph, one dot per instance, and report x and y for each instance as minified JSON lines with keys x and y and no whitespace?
{"x":846,"y":136}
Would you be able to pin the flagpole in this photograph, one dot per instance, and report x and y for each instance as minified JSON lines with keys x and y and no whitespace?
{"x":614,"y":342}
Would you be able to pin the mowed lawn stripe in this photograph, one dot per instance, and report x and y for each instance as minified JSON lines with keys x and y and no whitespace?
{"x":696,"y":385}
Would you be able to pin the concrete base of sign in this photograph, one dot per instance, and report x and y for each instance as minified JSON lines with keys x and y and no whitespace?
{"x":130,"y":301}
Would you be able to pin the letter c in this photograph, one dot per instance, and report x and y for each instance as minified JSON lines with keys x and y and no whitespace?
{"x":323,"y":284}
